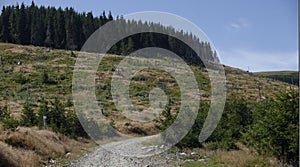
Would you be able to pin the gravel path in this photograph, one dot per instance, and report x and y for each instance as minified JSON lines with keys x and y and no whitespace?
{"x":125,"y":153}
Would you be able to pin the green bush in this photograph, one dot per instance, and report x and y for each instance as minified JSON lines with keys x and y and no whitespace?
{"x":58,"y":118}
{"x":28,"y":117}
{"x":46,"y":79}
{"x":4,"y":113}
{"x":20,"y":78}
{"x":7,"y":121}
{"x":276,"y":128}
{"x":10,"y":123}
{"x":236,"y":117}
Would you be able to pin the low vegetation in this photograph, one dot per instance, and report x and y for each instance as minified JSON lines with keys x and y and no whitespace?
{"x":30,"y":146}
{"x":260,"y":113}
{"x":269,"y":128}
{"x":291,"y":77}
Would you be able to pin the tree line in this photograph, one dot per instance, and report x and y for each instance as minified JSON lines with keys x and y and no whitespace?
{"x":67,"y":29}
{"x":48,"y":26}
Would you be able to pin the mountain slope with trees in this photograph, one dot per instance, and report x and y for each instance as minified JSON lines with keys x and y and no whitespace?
{"x":68,"y":29}
{"x":36,"y":81}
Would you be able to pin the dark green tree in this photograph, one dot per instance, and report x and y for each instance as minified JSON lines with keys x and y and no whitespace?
{"x":49,"y":41}
{"x":43,"y":111}
{"x":88,"y":25}
{"x":276,"y":128}
{"x":5,"y":30}
{"x":4,"y":112}
{"x":60,"y":31}
{"x":56,"y":116}
{"x":28,"y":117}
{"x":21,"y":25}
{"x":13,"y":24}
{"x":36,"y":28}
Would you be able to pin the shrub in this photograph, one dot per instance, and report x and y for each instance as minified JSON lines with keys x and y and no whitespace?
{"x":276,"y":128}
{"x":10,"y":123}
{"x":20,"y":78}
{"x":7,"y":121}
{"x":4,"y":113}
{"x":236,"y":117}
{"x":28,"y":117}
{"x":46,"y":79}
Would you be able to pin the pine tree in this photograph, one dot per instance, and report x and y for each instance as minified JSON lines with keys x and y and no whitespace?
{"x":28,"y":117}
{"x":4,"y":112}
{"x":110,"y":17}
{"x":130,"y":46}
{"x":43,"y":111}
{"x":60,"y":31}
{"x":36,"y":29}
{"x":88,"y":25}
{"x":49,"y":41}
{"x":13,"y":25}
{"x":5,"y":32}
{"x":56,"y":116}
{"x":21,"y":25}
{"x":71,"y":30}
{"x":123,"y":48}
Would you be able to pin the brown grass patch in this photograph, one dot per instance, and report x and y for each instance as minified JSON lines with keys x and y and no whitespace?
{"x":45,"y":143}
{"x":32,"y":146}
{"x":243,"y":158}
{"x":10,"y":156}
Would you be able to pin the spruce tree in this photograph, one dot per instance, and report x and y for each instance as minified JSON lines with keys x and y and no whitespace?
{"x":49,"y":41}
{"x":36,"y":29}
{"x":21,"y":25}
{"x":13,"y":25}
{"x":5,"y":32}
{"x":28,"y":117}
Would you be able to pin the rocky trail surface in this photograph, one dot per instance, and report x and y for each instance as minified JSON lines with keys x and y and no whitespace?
{"x":129,"y":153}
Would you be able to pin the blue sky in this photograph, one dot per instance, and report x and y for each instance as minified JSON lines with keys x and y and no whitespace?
{"x":260,"y":34}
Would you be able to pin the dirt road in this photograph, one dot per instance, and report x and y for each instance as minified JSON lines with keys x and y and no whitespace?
{"x":129,"y":153}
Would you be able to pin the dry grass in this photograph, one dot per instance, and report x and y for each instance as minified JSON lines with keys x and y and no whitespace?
{"x":245,"y":157}
{"x":241,"y":158}
{"x":45,"y":143}
{"x":1,"y":129}
{"x":31,"y":146}
{"x":10,"y":156}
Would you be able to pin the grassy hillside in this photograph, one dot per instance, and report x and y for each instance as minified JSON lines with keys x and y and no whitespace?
{"x":24,"y":68}
{"x":291,"y":77}
{"x":34,"y":74}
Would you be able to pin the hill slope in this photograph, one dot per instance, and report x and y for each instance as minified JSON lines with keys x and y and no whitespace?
{"x":33,"y":73}
{"x":291,"y":77}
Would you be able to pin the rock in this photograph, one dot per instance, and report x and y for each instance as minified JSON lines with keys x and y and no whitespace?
{"x":68,"y":155}
{"x":150,"y":149}
{"x":189,"y":160}
{"x":204,"y":158}
{"x":182,"y":154}
{"x":194,"y":153}
{"x":52,"y":161}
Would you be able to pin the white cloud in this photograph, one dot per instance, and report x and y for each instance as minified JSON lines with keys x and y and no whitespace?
{"x":234,"y":25}
{"x":238,"y":24}
{"x":260,"y":61}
